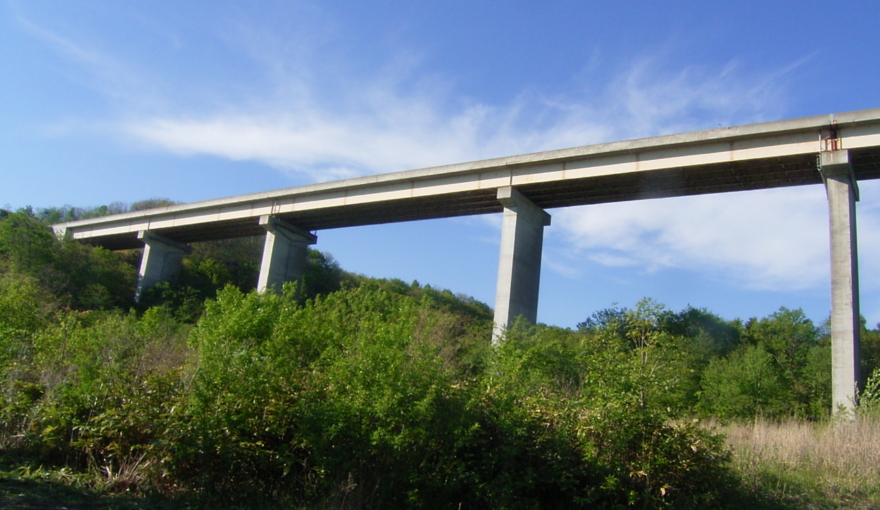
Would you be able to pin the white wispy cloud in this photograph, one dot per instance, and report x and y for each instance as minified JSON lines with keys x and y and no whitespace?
{"x":311,"y":108}
{"x":86,"y":62}
{"x":315,"y":128}
{"x":768,"y":240}
{"x":386,"y":124}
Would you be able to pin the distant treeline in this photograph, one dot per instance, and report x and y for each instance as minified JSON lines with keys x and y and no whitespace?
{"x":67,"y":213}
{"x":354,"y":392}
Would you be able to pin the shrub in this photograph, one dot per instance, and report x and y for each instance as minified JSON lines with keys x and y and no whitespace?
{"x":869,"y":399}
{"x":359,"y":399}
{"x":747,"y":383}
{"x":100,"y":387}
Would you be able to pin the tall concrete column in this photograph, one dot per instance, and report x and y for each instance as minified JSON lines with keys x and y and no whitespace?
{"x":519,"y":264}
{"x":843,"y":193}
{"x":285,"y":253}
{"x":161,"y":260}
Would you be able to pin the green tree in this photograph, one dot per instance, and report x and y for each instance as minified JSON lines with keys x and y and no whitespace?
{"x":781,"y":368}
{"x":870,"y":339}
{"x":52,"y":215}
{"x":747,"y":383}
{"x":151,"y":203}
{"x":788,"y":336}
{"x":78,"y":275}
{"x":27,"y":245}
{"x":708,"y":334}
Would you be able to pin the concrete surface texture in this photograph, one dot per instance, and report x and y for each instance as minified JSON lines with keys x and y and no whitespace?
{"x":845,"y":319}
{"x":161,"y":260}
{"x":519,"y":263}
{"x":285,"y":253}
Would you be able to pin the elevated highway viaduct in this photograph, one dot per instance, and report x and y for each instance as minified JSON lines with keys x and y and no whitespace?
{"x":834,"y":150}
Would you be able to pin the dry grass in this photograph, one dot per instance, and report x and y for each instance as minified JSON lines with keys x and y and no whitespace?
{"x":809,"y":465}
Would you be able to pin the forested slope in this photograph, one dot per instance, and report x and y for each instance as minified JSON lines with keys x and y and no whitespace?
{"x":366,"y":393}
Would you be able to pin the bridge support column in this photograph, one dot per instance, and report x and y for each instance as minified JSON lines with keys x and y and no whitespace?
{"x":843,"y":192}
{"x":284,"y":254}
{"x":160,"y":262}
{"x":519,"y":264}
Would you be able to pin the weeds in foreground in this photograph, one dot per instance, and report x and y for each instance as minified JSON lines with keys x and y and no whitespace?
{"x":25,"y":487}
{"x":809,"y":465}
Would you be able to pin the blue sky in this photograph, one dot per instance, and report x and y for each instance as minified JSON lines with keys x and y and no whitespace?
{"x":126,"y":100}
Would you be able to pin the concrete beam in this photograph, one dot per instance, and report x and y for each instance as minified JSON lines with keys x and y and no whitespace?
{"x":284,"y":253}
{"x":519,"y":263}
{"x":714,"y":161}
{"x":842,"y":191}
{"x":161,"y":261}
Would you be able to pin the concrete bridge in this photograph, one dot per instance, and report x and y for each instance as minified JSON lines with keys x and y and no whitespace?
{"x":836,"y":150}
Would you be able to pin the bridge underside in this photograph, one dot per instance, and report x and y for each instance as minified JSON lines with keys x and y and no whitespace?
{"x":683,"y":181}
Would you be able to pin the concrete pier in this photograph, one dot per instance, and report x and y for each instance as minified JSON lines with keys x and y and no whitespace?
{"x":161,"y":260}
{"x":519,"y":264}
{"x":284,"y":254}
{"x":842,"y":189}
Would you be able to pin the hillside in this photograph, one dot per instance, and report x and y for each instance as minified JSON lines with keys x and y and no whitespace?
{"x":365,"y":393}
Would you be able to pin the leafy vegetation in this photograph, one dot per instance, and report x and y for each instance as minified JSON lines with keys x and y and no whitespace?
{"x":364,"y":393}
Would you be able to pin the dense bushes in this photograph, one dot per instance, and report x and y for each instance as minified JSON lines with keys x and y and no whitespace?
{"x":74,"y":274}
{"x":363,"y":393}
{"x":349,"y":400}
{"x":94,"y":388}
{"x":781,"y":368}
{"x":346,"y":399}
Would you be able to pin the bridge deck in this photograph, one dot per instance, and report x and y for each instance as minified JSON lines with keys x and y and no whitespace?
{"x":757,"y":156}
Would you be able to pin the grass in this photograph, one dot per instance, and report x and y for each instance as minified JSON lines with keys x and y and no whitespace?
{"x":796,"y":464}
{"x":781,"y":466}
{"x":25,"y":487}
